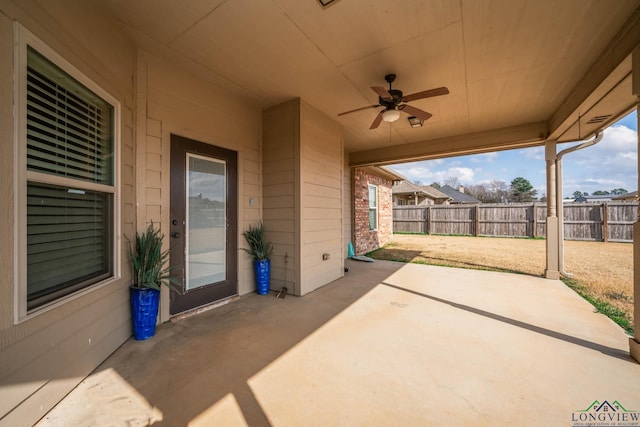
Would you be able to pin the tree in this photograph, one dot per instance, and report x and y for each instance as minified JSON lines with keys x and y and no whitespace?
{"x":499,"y":191}
{"x":452,"y":181}
{"x":492,"y":192}
{"x":600,"y":193}
{"x":577,"y":194}
{"x":619,"y":191}
{"x":479,"y":192}
{"x":522,"y":190}
{"x":435,"y":185}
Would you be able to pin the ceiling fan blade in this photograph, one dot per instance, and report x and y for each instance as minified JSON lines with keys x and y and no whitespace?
{"x":376,"y":121}
{"x":382,"y":92}
{"x":426,"y":94}
{"x":358,"y":109}
{"x":423,"y":115}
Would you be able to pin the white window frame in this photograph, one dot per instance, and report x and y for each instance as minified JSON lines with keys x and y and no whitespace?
{"x":22,"y":39}
{"x":369,"y":208}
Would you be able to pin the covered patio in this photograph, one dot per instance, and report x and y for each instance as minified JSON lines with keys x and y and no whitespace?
{"x":258,"y":91}
{"x":387,"y":344}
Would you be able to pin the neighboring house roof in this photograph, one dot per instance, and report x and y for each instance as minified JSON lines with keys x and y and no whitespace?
{"x":602,"y":198}
{"x":407,"y":187}
{"x":457,"y":196}
{"x":434,"y":192}
{"x":633,"y":195}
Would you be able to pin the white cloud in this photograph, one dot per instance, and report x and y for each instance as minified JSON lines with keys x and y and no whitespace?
{"x":612,"y":163}
{"x":485,"y":157}
{"x":603,"y":182}
{"x":533,"y":153}
{"x":415,"y":171}
{"x":465,"y":175}
{"x":426,"y":173}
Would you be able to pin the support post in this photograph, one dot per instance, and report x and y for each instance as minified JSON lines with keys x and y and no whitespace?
{"x":634,"y":343}
{"x":553,"y":267}
{"x":605,"y":222}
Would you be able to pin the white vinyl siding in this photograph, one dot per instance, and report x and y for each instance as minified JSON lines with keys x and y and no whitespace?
{"x":303,"y":196}
{"x":321,"y":199}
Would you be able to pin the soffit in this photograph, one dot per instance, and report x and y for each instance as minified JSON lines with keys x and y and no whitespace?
{"x":507,"y":63}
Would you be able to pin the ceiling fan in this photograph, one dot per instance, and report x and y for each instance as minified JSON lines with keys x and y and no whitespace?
{"x":392,"y":100}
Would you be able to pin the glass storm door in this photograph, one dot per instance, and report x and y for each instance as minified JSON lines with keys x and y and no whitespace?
{"x":203,"y":223}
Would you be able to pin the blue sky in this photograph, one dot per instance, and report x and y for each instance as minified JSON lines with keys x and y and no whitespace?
{"x":612,"y":163}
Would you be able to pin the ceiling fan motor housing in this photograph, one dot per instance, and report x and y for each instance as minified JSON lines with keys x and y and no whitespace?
{"x":396,"y":98}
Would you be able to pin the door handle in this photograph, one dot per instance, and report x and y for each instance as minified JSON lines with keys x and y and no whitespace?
{"x":175,"y":235}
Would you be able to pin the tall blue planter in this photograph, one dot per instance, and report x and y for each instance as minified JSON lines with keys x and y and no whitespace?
{"x":144,"y":312}
{"x":263,"y":275}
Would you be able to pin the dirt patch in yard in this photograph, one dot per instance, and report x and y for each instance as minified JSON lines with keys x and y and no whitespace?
{"x":603,"y":270}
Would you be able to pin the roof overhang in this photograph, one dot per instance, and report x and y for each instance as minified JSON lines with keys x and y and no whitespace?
{"x":518,"y":71}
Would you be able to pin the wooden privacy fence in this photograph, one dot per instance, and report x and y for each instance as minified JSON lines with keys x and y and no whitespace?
{"x":610,"y":221}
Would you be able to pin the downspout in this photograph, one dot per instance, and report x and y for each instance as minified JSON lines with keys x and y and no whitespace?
{"x":559,"y":197}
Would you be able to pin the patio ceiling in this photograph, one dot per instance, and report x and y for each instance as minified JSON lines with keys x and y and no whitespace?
{"x":519,"y":71}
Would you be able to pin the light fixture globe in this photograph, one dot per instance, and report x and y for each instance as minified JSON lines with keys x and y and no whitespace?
{"x":390,"y":115}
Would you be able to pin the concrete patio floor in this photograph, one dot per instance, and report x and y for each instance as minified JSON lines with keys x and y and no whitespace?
{"x":389,"y":344}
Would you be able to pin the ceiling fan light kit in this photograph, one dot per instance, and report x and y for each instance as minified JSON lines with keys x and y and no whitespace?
{"x":390,"y":115}
{"x":393,"y":102}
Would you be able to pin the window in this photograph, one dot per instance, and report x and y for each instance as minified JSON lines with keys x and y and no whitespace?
{"x":67,"y":178}
{"x":373,"y":207}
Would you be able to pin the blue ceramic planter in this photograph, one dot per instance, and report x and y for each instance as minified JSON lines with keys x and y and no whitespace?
{"x":144,"y":312}
{"x":263,"y":275}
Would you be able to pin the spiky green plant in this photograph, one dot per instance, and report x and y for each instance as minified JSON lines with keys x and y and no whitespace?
{"x":149,"y":260}
{"x":259,"y":249}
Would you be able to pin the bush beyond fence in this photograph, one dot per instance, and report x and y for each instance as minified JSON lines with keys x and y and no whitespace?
{"x":610,"y":221}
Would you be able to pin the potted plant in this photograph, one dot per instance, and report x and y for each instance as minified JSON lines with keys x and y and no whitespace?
{"x":260,"y":250}
{"x":148,"y":260}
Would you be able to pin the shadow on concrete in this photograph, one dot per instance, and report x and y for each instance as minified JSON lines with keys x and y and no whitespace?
{"x":609,"y":351}
{"x":197,"y":362}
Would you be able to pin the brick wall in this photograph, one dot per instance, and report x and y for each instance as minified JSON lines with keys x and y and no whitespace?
{"x":366,"y":240}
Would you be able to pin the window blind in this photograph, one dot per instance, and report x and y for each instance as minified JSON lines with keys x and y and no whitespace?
{"x":373,"y":197}
{"x":68,"y":240}
{"x":69,"y":230}
{"x":373,"y":207}
{"x":69,"y":129}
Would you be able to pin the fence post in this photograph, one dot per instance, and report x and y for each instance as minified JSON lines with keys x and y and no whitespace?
{"x":477,"y":221}
{"x":427,"y":213}
{"x":534,"y":218}
{"x":605,"y":222}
